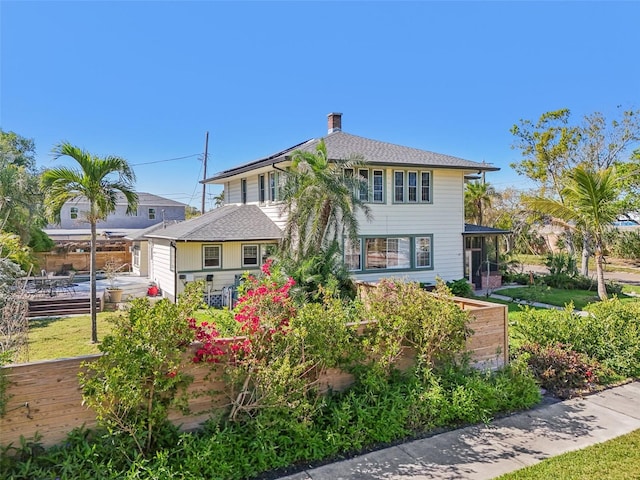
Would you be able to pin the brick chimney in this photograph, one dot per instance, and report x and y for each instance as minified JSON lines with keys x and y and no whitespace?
{"x":335,"y":122}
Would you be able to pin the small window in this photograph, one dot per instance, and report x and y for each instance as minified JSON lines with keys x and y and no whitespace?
{"x":364,"y":185}
{"x":352,"y":257}
{"x":272,"y":186}
{"x":398,"y":187}
{"x":211,"y":256}
{"x":250,"y":255}
{"x":378,"y":186}
{"x":423,"y":252}
{"x":261,"y":189}
{"x":425,"y":186}
{"x":152,"y":214}
{"x":243,"y":190}
{"x":74,"y":212}
{"x":412,"y":186}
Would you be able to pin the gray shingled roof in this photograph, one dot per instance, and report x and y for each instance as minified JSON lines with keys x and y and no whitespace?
{"x":341,"y":145}
{"x":228,"y":223}
{"x":141,"y":234}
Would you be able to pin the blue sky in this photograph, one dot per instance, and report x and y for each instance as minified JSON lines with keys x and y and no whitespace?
{"x":145,"y":80}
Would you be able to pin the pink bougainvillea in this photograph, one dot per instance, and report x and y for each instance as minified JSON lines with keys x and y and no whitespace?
{"x":264,"y":310}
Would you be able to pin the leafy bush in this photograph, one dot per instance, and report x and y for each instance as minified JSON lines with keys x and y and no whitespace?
{"x":559,"y":369}
{"x":133,"y":386}
{"x":460,"y":288}
{"x":610,"y":333}
{"x":377,"y":409}
{"x":407,"y":316}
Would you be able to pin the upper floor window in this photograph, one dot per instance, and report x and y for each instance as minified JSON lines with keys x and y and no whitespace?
{"x":261,"y":189}
{"x":273,"y":186}
{"x":243,"y":190}
{"x":398,"y":187}
{"x":152,"y":214}
{"x":364,"y":185}
{"x":211,"y":256}
{"x":411,"y":186}
{"x":74,"y":213}
{"x":378,"y":186}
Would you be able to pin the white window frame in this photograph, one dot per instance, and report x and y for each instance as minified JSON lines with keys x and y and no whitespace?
{"x":257,"y":256}
{"x":418,"y":252}
{"x":364,"y":188}
{"x":217,"y":247}
{"x":412,"y":189}
{"x":429,"y":175}
{"x":353,"y":254}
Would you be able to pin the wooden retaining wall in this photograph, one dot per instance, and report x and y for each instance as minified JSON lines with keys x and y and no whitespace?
{"x":45,"y":397}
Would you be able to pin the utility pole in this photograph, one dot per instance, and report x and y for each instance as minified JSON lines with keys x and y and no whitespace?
{"x":204,"y":177}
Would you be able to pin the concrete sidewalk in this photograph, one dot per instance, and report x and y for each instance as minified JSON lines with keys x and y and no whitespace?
{"x":505,"y":445}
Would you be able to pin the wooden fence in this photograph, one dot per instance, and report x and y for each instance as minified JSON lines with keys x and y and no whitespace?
{"x":45,"y":397}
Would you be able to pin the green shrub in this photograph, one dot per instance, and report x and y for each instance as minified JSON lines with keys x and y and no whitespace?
{"x":138,"y":380}
{"x":460,"y":288}
{"x":407,"y":316}
{"x":609,"y":333}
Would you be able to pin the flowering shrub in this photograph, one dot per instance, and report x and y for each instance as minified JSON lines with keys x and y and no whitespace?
{"x":283,"y":350}
{"x":264,"y":310}
{"x":561,"y":370}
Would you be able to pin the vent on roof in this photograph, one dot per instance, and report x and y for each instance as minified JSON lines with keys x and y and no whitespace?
{"x":335,"y":122}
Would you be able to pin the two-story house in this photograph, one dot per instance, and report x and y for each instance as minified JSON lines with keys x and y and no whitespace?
{"x":152,"y":209}
{"x":416,"y":198}
{"x":72,"y":236}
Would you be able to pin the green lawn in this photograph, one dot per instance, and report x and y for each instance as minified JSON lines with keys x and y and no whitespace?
{"x":617,"y":459}
{"x":62,"y":337}
{"x":557,"y":296}
{"x":551,"y":296}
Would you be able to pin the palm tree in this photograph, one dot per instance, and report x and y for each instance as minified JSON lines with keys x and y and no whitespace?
{"x":98,"y":180}
{"x":321,"y":201}
{"x":590,"y":204}
{"x":477,"y":197}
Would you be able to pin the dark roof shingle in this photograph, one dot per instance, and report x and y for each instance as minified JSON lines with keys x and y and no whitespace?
{"x":227,"y":223}
{"x":341,"y":145}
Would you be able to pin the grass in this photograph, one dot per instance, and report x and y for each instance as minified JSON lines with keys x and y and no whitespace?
{"x":52,"y":338}
{"x":551,"y":296}
{"x":617,"y":459}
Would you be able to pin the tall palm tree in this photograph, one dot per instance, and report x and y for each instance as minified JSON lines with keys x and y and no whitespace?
{"x":590,"y":204}
{"x":99,"y":179}
{"x":321,"y":201}
{"x":477,"y":197}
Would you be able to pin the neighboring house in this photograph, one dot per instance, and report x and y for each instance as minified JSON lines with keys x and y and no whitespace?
{"x":152,"y":209}
{"x":416,"y":198}
{"x":216,"y":247}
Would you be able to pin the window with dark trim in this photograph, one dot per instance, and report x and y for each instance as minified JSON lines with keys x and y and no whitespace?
{"x":261,"y":189}
{"x":211,"y":256}
{"x":412,"y":187}
{"x":423,"y":252}
{"x":398,"y":187}
{"x":152,"y":214}
{"x":243,"y":190}
{"x":364,"y":185}
{"x":352,"y":254}
{"x":425,"y":187}
{"x":378,"y":186}
{"x":74,"y":212}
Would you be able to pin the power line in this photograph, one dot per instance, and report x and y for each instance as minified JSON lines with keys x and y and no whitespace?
{"x":167,"y":160}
